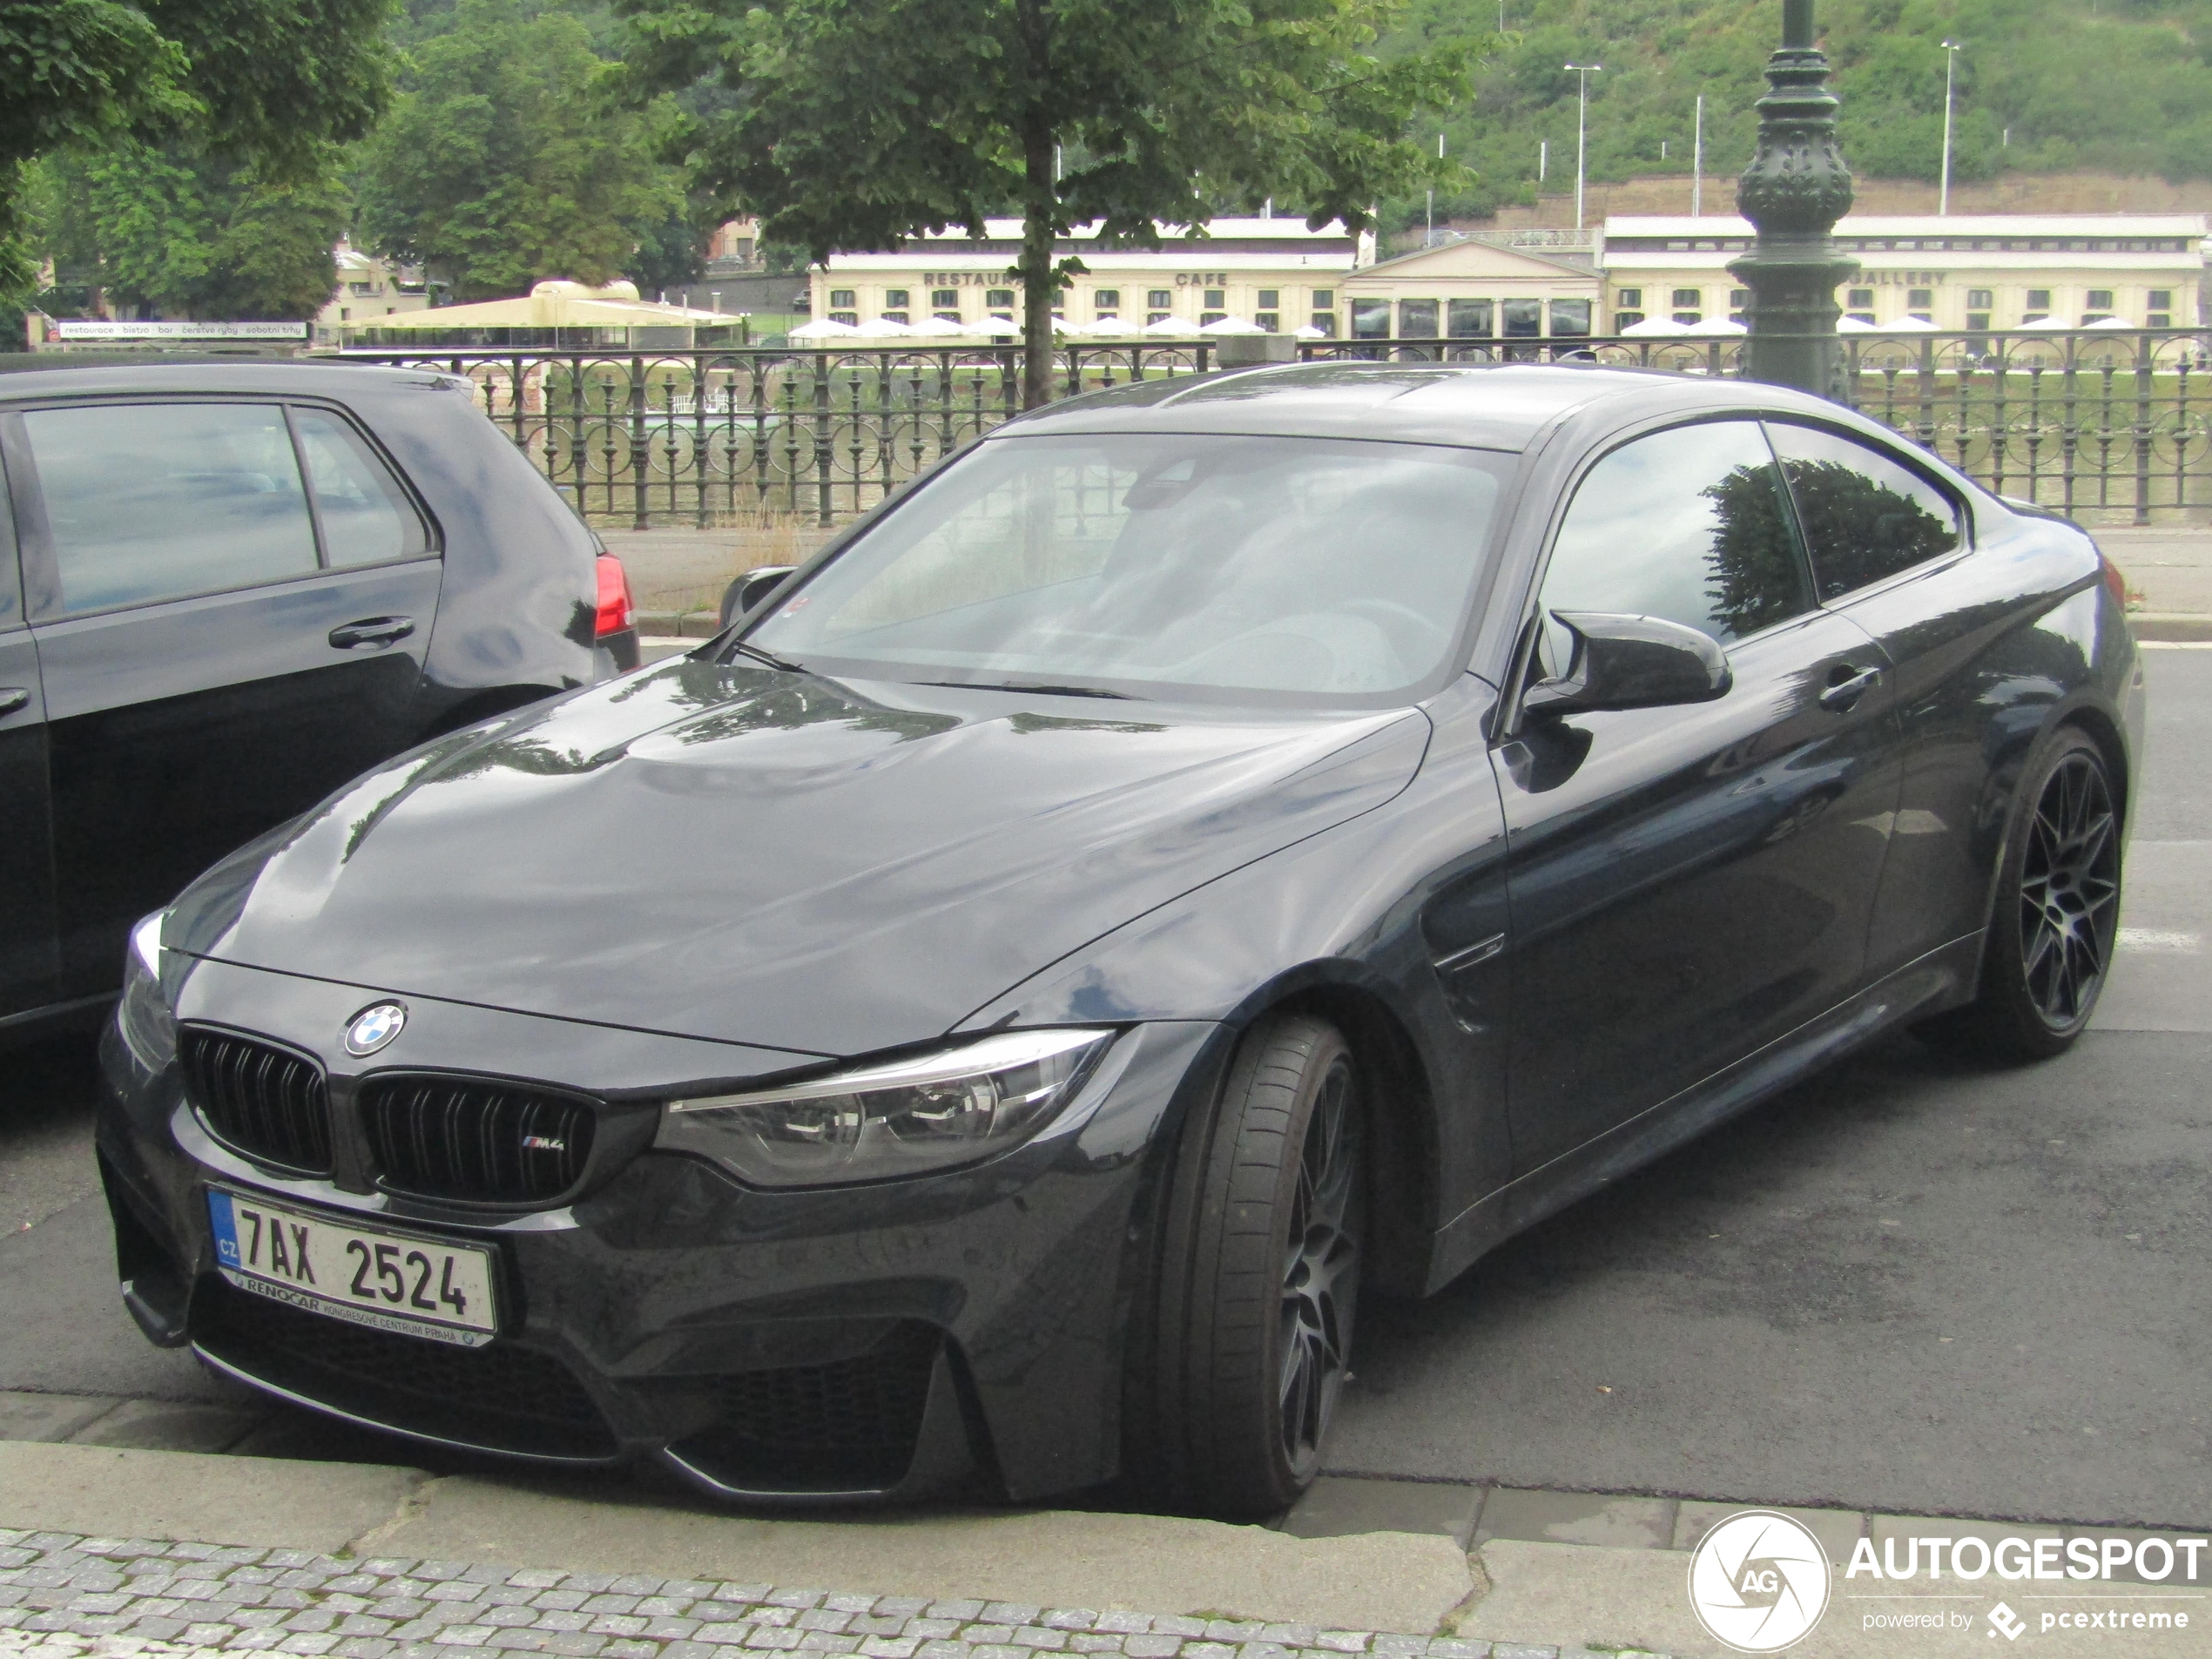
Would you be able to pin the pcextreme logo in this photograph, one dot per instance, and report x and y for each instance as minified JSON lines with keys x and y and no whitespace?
{"x":1758,"y":1581}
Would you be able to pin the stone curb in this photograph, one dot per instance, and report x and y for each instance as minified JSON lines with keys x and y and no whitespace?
{"x":2177,"y":626}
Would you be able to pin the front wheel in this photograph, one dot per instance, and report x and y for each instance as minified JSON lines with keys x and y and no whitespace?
{"x":2057,"y":913}
{"x":1259,"y":1278}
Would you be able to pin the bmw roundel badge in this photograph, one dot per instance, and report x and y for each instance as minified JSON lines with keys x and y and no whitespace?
{"x":373,"y":1027}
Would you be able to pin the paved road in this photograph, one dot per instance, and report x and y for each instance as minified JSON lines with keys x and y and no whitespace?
{"x":1912,"y":1285}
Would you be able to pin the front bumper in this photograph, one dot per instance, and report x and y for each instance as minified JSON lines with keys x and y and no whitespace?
{"x":873,"y":1342}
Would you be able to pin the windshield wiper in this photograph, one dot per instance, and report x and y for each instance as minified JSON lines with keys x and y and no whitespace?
{"x":767,"y":656}
{"x":1039,"y":686}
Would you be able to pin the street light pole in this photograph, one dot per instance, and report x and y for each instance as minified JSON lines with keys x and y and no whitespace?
{"x":1950,"y":63}
{"x":1583,"y":72}
{"x":1697,"y":161}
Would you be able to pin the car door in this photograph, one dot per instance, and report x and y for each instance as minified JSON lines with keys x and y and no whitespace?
{"x":231,"y":601}
{"x":1885,"y":539}
{"x":26,"y":841}
{"x":1687,"y":883}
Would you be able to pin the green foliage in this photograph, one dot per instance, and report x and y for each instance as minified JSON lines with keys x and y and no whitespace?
{"x":2124,"y":86}
{"x":186,"y":234}
{"x":500,"y":164}
{"x":856,"y":123}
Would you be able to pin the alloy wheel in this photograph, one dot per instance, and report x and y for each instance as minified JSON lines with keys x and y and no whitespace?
{"x":2069,"y":892}
{"x":1321,"y":1271}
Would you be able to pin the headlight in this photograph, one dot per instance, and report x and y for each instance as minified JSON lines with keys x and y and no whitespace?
{"x":902,"y":1118}
{"x":144,"y":1015}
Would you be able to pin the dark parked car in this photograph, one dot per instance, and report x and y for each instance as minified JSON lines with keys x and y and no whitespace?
{"x":1212,"y":846}
{"x":226,"y":588}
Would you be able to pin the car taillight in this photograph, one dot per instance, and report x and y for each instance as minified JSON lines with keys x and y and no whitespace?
{"x":616,"y":612}
{"x":2114,"y":582}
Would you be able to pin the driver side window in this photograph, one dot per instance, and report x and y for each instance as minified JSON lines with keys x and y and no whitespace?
{"x":1688,"y":525}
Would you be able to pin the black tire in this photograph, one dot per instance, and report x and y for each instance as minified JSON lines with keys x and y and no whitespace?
{"x":1258,"y":1282}
{"x":2057,"y":912}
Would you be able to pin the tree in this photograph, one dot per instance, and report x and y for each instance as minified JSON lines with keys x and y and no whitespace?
{"x":174,"y":230}
{"x":857,"y":124}
{"x":270,"y":82}
{"x":500,"y":164}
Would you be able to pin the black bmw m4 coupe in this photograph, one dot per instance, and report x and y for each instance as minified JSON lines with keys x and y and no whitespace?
{"x":1207,"y":852}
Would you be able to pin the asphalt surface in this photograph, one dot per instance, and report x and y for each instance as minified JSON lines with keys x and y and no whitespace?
{"x":1912,"y":1285}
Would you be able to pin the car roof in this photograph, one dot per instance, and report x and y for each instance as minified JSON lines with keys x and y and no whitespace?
{"x":1487,"y":406}
{"x":48,"y":376}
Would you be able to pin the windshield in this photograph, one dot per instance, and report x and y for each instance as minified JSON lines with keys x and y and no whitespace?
{"x":1141,"y":565}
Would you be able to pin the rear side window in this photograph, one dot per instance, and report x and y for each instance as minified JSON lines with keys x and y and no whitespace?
{"x":157,"y":500}
{"x":1866,"y":516}
{"x":365,"y":517}
{"x":1686,"y":524}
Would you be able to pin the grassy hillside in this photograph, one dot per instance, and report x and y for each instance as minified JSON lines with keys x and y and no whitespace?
{"x":2044,"y":85}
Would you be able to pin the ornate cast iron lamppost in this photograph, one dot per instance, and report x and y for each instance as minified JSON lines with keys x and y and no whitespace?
{"x":1795,"y":189}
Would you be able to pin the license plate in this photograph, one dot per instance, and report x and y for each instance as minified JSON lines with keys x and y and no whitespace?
{"x":424,"y":1287}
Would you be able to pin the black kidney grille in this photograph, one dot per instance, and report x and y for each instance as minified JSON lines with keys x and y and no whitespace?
{"x":461,"y":1137}
{"x":852,"y":1423}
{"x":502,"y":1397}
{"x":265,"y":1102}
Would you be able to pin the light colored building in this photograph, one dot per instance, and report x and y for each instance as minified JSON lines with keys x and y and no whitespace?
{"x":1274,"y":272}
{"x":1967,"y":272}
{"x":1475,"y":289}
{"x":369,"y":289}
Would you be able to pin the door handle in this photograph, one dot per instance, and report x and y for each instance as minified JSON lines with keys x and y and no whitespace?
{"x":13,"y":698}
{"x":1839,"y":697}
{"x":372,"y":630}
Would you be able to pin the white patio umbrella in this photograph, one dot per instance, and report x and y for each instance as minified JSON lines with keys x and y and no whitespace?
{"x":2109,"y":322}
{"x":1307,"y":331}
{"x":939,"y":328}
{"x":883,"y":328}
{"x":998,"y":328}
{"x":821,"y":328}
{"x":2048,"y":323}
{"x":1172,"y":328}
{"x":1109,"y":328}
{"x":1853,"y":326}
{"x":1656,"y":327}
{"x":1232,"y":326}
{"x":1905,"y":326}
{"x":1717,"y":326}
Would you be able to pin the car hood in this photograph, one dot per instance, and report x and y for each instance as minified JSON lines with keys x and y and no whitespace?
{"x":746,"y":856}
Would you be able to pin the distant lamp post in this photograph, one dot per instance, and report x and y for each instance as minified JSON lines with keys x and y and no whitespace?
{"x":1795,"y":189}
{"x":1950,"y":50}
{"x":1583,"y":72}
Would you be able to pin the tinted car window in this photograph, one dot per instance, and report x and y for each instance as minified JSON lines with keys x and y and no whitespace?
{"x":1294,"y":565}
{"x":1866,"y":516}
{"x":365,"y":517}
{"x":156,"y":500}
{"x":1686,"y":524}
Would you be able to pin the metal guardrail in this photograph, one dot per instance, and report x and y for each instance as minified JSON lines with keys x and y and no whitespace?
{"x":2091,"y":421}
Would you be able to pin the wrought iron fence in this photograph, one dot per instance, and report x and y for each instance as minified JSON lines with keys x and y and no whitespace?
{"x":2089,"y":422}
{"x":654,"y":439}
{"x":2085,"y":420}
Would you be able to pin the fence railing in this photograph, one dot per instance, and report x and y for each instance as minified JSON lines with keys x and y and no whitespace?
{"x":2087,"y":421}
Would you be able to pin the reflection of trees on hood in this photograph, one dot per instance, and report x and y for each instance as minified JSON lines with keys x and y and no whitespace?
{"x":1753,"y":560}
{"x":1865,"y":530}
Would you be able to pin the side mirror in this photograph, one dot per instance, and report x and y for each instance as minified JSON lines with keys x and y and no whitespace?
{"x":1630,"y":663}
{"x":751,"y":589}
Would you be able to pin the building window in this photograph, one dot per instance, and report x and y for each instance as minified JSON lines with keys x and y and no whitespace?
{"x":1628,"y":298}
{"x":1371,"y":320}
{"x":999,"y":302}
{"x":1978,"y":322}
{"x":849,"y":319}
{"x":2100,"y":299}
{"x":2160,"y":315}
{"x":842,"y":298}
{"x":1324,"y":299}
{"x":1417,"y":320}
{"x":1471,"y":320}
{"x":945,"y":300}
{"x":1738,"y":299}
{"x":1689,"y":299}
{"x":1324,"y":323}
{"x":1216,"y":299}
{"x":1151,"y":317}
{"x":1920,"y":302}
{"x":898,"y":316}
{"x":1626,"y":320}
{"x":1270,"y":300}
{"x":1271,"y":322}
{"x":1107,"y":302}
{"x":1979,"y":300}
{"x":1524,"y":319}
{"x":2038,"y":304}
{"x":896,"y":299}
{"x":1859,"y":300}
{"x":1160,"y":299}
{"x":1570,"y":318}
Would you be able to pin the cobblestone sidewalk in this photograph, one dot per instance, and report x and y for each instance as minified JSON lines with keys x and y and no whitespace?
{"x":63,"y":1596}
